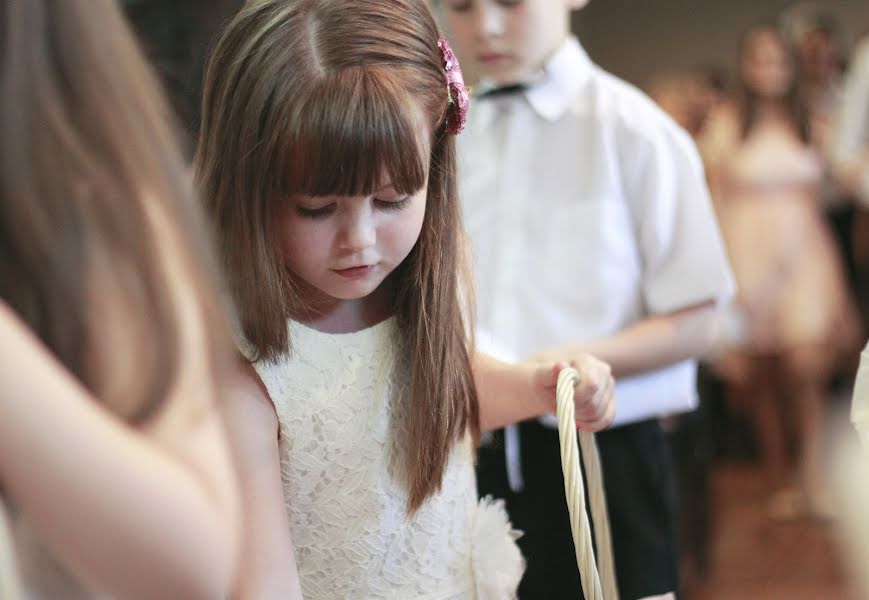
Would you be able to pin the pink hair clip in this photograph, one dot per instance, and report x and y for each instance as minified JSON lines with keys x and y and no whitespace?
{"x":460,"y":99}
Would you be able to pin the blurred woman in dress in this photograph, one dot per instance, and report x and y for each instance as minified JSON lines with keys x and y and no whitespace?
{"x":792,"y":318}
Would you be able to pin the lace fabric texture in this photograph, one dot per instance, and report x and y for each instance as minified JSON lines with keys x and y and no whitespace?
{"x":341,"y":404}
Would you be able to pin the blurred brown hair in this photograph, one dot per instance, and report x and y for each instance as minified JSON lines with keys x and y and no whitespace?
{"x":323,"y":97}
{"x":90,"y":177}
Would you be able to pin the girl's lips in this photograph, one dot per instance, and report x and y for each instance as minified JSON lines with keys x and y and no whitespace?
{"x":489,"y":58}
{"x":355,"y":272}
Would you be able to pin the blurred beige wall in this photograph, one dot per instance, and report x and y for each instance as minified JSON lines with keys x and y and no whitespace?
{"x":637,"y":39}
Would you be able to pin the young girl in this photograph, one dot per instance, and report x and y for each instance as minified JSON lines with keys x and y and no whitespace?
{"x":112,"y":459}
{"x":792,"y":299}
{"x":327,"y":161}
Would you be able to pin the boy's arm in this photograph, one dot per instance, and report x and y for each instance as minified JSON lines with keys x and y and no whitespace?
{"x":267,"y":568}
{"x":685,"y":274}
{"x":509,"y":393}
{"x":649,"y":344}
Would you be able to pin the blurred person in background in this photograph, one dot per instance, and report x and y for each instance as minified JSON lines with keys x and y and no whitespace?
{"x":113,"y":459}
{"x":672,"y":92}
{"x":792,"y":318}
{"x":694,"y":437}
{"x":820,"y":45}
{"x":849,"y":156}
{"x":708,"y":91}
{"x":689,"y":96}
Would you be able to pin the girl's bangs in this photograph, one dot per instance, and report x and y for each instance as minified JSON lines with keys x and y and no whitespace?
{"x":355,"y":132}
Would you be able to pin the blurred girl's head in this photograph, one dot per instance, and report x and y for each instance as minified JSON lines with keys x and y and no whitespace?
{"x":766,"y":76}
{"x":766,"y":67}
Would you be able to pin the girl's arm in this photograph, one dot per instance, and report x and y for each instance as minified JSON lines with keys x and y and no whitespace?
{"x":268,"y":567}
{"x":651,"y":343}
{"x":135,"y":513}
{"x":512,"y":393}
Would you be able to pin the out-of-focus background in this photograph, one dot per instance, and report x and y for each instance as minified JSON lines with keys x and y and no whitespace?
{"x":639,"y":39}
{"x":737,"y":541}
{"x":745,"y":534}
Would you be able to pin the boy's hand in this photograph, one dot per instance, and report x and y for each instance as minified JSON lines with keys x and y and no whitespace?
{"x":594,"y":396}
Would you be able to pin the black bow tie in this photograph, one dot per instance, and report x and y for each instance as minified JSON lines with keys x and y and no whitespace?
{"x":504,"y":90}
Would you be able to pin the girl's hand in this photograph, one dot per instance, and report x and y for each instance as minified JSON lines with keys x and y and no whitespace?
{"x":594,"y":396}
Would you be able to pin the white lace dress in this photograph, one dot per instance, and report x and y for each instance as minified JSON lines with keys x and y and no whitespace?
{"x":341,"y":401}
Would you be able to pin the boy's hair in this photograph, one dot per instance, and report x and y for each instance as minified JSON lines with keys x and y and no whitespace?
{"x":88,"y":165}
{"x":322,"y":97}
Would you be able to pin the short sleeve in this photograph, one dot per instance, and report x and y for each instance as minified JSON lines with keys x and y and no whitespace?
{"x":683,"y":258}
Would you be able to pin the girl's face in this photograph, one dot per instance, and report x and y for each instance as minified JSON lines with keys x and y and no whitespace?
{"x":342,"y":248}
{"x":766,"y":67}
{"x":507,"y":41}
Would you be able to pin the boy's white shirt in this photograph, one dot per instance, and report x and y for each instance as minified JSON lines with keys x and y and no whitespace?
{"x":621,"y":226}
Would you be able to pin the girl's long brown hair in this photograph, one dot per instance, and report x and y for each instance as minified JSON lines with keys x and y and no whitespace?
{"x":322,"y":97}
{"x":87,"y":159}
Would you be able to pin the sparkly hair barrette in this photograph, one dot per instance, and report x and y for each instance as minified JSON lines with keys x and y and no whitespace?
{"x":460,"y":99}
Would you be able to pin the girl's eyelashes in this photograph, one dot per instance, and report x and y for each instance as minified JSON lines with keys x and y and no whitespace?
{"x":315,"y":213}
{"x":324,"y":211}
{"x":396,"y":204}
{"x":459,"y":6}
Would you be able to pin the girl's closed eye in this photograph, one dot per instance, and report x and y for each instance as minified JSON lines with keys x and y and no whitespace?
{"x":459,"y":6}
{"x":392,"y":203}
{"x":315,"y":212}
{"x":466,"y":5}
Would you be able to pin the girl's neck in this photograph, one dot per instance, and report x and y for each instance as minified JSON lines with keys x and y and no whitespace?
{"x":334,"y":315}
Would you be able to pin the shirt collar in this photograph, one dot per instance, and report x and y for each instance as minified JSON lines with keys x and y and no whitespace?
{"x":550,"y":93}
{"x":563,"y":75}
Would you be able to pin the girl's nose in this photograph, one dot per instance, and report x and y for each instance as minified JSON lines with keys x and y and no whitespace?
{"x":358,"y":230}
